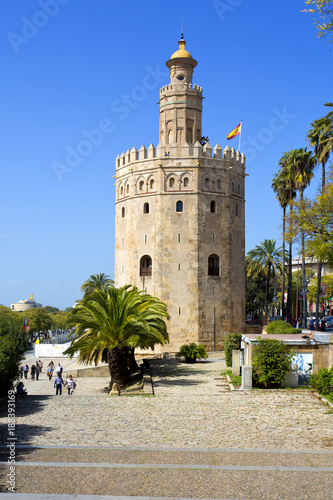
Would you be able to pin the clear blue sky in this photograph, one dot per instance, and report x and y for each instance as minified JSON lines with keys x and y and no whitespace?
{"x":66,"y":64}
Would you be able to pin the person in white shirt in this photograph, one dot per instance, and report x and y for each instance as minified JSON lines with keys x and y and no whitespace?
{"x":70,"y":385}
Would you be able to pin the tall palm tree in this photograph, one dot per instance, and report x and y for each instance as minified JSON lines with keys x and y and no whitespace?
{"x":281,"y":189}
{"x":287,"y":173}
{"x":265,"y":258}
{"x":96,"y":282}
{"x":305,"y":165}
{"x":108,"y":322}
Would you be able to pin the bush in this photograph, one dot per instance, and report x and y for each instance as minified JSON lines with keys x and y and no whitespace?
{"x":192,"y":352}
{"x":281,"y":327}
{"x":322,"y":381}
{"x":232,"y":341}
{"x":271,"y":361}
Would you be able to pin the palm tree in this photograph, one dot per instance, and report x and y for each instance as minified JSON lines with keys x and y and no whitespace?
{"x":281,"y":189}
{"x":108,"y":322}
{"x":305,"y":165}
{"x":96,"y":282}
{"x":287,"y":174}
{"x":320,"y":137}
{"x":265,"y":258}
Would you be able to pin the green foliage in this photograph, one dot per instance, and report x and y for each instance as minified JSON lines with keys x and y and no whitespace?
{"x":323,"y":10}
{"x":271,"y":361}
{"x":192,"y":352}
{"x":96,"y":282}
{"x":322,"y":381}
{"x":281,"y":327}
{"x":13,"y":342}
{"x":232,"y":341}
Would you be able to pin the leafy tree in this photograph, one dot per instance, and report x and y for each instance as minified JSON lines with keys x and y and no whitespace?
{"x":315,"y":219}
{"x":39,"y":320}
{"x":255,"y":293}
{"x":280,"y":327}
{"x":322,"y":381}
{"x":108,"y":322}
{"x":265,"y":258}
{"x":271,"y":361}
{"x":96,"y":282}
{"x":192,"y":352}
{"x":13,"y":342}
{"x":320,"y":137}
{"x":50,"y":309}
{"x":323,"y":10}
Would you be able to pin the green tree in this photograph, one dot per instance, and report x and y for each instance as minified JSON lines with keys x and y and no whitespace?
{"x":108,"y":322}
{"x":96,"y":282}
{"x":13,"y":342}
{"x":323,"y":10}
{"x":39,"y":320}
{"x":265,"y":258}
{"x":315,"y":219}
{"x":271,"y":361}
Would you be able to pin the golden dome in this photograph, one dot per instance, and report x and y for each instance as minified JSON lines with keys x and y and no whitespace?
{"x":181,"y":52}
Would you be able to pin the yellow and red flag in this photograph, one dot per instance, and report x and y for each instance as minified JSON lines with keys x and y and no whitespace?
{"x":235,"y":132}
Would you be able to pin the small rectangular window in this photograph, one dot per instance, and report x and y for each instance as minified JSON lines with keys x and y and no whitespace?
{"x":179,"y":266}
{"x":213,"y":238}
{"x":178,"y":237}
{"x":179,"y":311}
{"x":145,"y":238}
{"x":123,"y":242}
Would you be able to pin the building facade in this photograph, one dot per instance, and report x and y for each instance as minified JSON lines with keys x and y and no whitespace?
{"x":180,"y":212}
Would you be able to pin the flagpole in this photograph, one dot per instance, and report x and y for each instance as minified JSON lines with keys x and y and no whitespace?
{"x":240,"y":136}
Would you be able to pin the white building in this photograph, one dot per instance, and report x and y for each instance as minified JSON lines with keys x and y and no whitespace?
{"x":24,"y":305}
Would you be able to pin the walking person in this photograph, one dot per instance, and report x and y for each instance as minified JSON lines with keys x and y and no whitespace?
{"x":59,"y":369}
{"x":58,"y":383}
{"x":71,"y":385}
{"x":49,"y":371}
{"x":33,"y":372}
{"x":40,"y":366}
{"x":26,"y":370}
{"x":21,"y":371}
{"x":323,"y":324}
{"x":37,"y":370}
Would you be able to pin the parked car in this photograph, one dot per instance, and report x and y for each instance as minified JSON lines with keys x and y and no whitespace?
{"x":329,"y":321}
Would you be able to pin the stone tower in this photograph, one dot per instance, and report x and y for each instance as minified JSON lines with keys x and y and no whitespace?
{"x":180,"y":231}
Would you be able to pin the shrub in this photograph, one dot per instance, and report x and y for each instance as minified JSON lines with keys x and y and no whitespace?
{"x":281,"y":327}
{"x":232,"y":341}
{"x":322,"y":381}
{"x":271,"y":361}
{"x":192,"y":352}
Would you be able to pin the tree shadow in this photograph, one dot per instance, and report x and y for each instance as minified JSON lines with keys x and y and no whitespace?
{"x":171,"y":372}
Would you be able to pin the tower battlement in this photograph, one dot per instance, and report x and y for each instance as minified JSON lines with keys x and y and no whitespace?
{"x":181,"y":86}
{"x":171,"y":150}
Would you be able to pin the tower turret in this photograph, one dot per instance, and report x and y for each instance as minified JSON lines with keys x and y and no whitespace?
{"x":180,"y":101}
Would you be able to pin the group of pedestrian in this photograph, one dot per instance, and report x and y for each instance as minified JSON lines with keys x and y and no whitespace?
{"x":322,"y":325}
{"x":36,"y":369}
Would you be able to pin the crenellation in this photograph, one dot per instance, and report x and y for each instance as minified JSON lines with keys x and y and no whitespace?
{"x":142,"y":153}
{"x":151,"y":151}
{"x":117,"y":162}
{"x":127,"y":157}
{"x":134,"y":154}
{"x":207,"y":150}
{"x":233,"y":153}
{"x":217,"y":151}
{"x":227,"y":153}
{"x":122,"y":159}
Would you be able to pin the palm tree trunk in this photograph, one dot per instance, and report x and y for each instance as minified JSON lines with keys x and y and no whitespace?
{"x":319,"y":266}
{"x":304,"y":282}
{"x":290,"y":277}
{"x":267,"y":289}
{"x":283,"y":260}
{"x":323,"y":175}
{"x":131,"y":361}
{"x":120,"y":375}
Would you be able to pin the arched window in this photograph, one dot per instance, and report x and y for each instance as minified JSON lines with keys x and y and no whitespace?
{"x":145,"y":266}
{"x":218,"y":184}
{"x":213,"y":206}
{"x":146,"y":208}
{"x":206,"y":183}
{"x":186,"y":182}
{"x":141,"y":184}
{"x":232,"y":186}
{"x":151,"y":183}
{"x":179,"y":206}
{"x":213,"y":265}
{"x":171,"y":182}
{"x":127,"y":188}
{"x":121,"y":191}
{"x":123,"y":212}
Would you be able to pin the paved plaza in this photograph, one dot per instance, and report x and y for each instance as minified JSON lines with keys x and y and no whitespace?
{"x":193,"y":439}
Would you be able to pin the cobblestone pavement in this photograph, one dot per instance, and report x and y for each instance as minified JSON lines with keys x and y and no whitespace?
{"x":191,"y":408}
